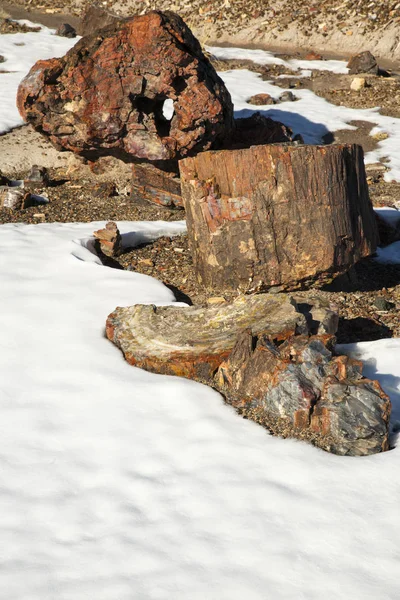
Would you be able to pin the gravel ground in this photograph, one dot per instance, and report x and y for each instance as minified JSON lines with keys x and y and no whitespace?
{"x":370,"y":310}
{"x":309,"y":15}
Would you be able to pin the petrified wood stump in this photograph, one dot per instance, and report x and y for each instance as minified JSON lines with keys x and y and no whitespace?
{"x":107,"y":94}
{"x":258,"y":352}
{"x":277,"y":214}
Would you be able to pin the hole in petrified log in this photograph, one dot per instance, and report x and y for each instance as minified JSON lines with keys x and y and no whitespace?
{"x":158,"y":110}
{"x":361,"y":329}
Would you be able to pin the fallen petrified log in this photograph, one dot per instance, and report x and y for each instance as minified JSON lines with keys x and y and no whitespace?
{"x":156,"y":186}
{"x":107,"y":94}
{"x":276,"y":215}
{"x":259,"y":353}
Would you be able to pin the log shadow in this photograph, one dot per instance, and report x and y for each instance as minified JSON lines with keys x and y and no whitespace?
{"x":311,"y":132}
{"x":179,"y":295}
{"x":367,"y":275}
{"x":361,"y":329}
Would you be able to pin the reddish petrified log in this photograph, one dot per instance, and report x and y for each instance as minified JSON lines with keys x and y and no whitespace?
{"x":106,"y":96}
{"x":277,"y":214}
{"x":260,"y":353}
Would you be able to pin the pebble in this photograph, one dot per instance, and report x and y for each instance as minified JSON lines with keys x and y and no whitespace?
{"x":357,"y":84}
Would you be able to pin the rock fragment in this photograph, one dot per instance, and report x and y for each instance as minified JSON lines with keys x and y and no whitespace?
{"x":109,"y":239}
{"x":66,"y":30}
{"x":364,"y":62}
{"x":358,"y":83}
{"x":261,"y":100}
{"x":302,"y":389}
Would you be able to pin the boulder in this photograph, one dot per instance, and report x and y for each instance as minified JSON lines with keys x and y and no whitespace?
{"x":364,"y":62}
{"x":106,"y":95}
{"x":257,"y":130}
{"x":66,"y":30}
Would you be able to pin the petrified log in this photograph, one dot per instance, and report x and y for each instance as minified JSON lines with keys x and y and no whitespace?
{"x":107,"y":94}
{"x":156,"y":186}
{"x":259,"y":353}
{"x":192,"y":342}
{"x":276,"y":215}
{"x":300,"y":389}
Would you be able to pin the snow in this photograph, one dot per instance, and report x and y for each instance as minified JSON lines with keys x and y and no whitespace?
{"x":118,"y":484}
{"x":263,"y":57}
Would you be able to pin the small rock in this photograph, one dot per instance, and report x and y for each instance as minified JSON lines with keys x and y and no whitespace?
{"x":105,"y":189}
{"x":38,"y":176}
{"x":287,"y":97}
{"x":66,"y":30}
{"x":11,"y":197}
{"x":261,"y":100}
{"x":2,"y":59}
{"x":215,"y":300}
{"x":146,"y":261}
{"x":365,"y":62}
{"x":382,"y":304}
{"x":109,"y":239}
{"x":313,"y":56}
{"x":358,"y":84}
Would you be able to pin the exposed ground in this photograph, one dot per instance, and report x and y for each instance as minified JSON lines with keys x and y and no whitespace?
{"x":76,"y":193}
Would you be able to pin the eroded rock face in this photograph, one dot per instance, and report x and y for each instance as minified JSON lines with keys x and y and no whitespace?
{"x":107,"y":95}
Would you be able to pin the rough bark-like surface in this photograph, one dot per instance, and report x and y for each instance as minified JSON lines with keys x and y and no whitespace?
{"x":192,"y":342}
{"x":156,"y":186}
{"x":260,"y":352}
{"x":276,"y":215}
{"x":106,"y":95}
{"x":301,"y":389}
